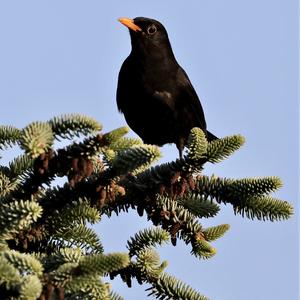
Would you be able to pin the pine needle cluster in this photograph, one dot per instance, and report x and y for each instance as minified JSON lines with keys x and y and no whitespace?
{"x":48,"y":248}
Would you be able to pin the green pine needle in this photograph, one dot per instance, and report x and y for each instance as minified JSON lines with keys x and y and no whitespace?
{"x":30,"y":288}
{"x":199,"y":205}
{"x":248,"y":187}
{"x":213,"y":233}
{"x":69,"y":255}
{"x":9,"y":136}
{"x":197,"y":144}
{"x":17,"y":215}
{"x":25,"y":263}
{"x":109,"y":156}
{"x":125,"y":143}
{"x":20,"y":165}
{"x":220,"y":149}
{"x":168,"y":288}
{"x":78,"y":235}
{"x":173,"y":212}
{"x":87,"y":288}
{"x":77,"y":212}
{"x":114,"y":296}
{"x":63,"y":273}
{"x":36,"y":138}
{"x":9,"y":275}
{"x":135,"y":159}
{"x":202,"y":249}
{"x":7,"y":186}
{"x":231,"y":190}
{"x":149,"y":265}
{"x":102,"y":264}
{"x":60,"y":257}
{"x":248,"y":196}
{"x":265,"y":208}
{"x":147,"y":238}
{"x":116,"y":134}
{"x":72,"y":125}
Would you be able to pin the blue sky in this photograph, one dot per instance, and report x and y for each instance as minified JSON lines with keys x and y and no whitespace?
{"x":242,"y":58}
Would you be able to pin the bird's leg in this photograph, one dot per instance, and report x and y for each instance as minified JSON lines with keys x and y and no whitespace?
{"x":180,"y":146}
{"x":180,"y":153}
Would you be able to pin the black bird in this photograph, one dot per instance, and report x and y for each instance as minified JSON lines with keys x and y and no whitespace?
{"x":154,"y":93}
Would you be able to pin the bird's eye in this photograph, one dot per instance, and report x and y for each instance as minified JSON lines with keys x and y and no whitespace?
{"x":151,"y":29}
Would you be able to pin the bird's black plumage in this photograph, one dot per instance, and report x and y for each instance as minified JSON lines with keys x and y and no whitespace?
{"x":154,"y":93}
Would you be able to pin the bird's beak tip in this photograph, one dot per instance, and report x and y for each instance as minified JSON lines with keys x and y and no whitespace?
{"x":121,"y":20}
{"x":130,"y":24}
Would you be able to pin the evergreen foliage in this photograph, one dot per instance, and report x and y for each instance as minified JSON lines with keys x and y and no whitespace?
{"x":48,"y":249}
{"x":9,"y":136}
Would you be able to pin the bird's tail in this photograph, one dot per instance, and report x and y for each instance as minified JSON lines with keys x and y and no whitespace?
{"x":210,"y":136}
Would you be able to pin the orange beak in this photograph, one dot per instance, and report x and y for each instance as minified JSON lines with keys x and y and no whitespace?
{"x":130,"y":24}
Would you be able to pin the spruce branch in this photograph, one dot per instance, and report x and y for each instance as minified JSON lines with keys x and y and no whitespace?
{"x":168,"y":287}
{"x":115,"y":135}
{"x":183,"y":224}
{"x":199,"y":205}
{"x":9,"y":136}
{"x":89,"y":147}
{"x":17,"y":215}
{"x":135,"y":159}
{"x":72,"y":125}
{"x":63,"y":274}
{"x":9,"y":275}
{"x":66,"y":255}
{"x":19,"y":283}
{"x":7,"y":186}
{"x":248,"y":196}
{"x":119,"y":145}
{"x":74,"y":161}
{"x":102,"y":264}
{"x":159,"y":175}
{"x":36,"y":138}
{"x":108,"y":156}
{"x":60,"y":257}
{"x":264,"y":208}
{"x":114,"y":296}
{"x":172,"y":213}
{"x":148,"y":265}
{"x":77,"y":212}
{"x":79,"y":236}
{"x":201,"y":248}
{"x":147,"y":238}
{"x":125,"y":143}
{"x":20,"y":165}
{"x":197,"y":145}
{"x":220,"y":149}
{"x":215,"y":232}
{"x":199,"y":152}
{"x":30,"y":288}
{"x":24,"y":263}
{"x":117,"y":142}
{"x":248,"y":187}
{"x":111,"y":173}
{"x":87,"y":287}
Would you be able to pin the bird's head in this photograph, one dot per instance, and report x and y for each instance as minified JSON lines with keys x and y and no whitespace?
{"x":147,"y":36}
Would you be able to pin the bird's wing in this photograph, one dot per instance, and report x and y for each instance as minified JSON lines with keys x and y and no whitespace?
{"x":123,"y":84}
{"x":190,"y":98}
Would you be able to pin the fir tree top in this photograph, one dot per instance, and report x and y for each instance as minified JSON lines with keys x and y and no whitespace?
{"x":48,"y":249}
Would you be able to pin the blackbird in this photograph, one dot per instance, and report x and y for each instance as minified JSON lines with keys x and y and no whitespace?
{"x":154,"y":93}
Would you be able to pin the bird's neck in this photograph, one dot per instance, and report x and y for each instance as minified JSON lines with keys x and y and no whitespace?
{"x":150,"y":57}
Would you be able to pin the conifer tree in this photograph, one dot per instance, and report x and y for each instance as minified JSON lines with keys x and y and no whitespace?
{"x":49,"y":251}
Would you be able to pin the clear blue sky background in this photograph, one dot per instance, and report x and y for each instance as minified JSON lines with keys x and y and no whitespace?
{"x":242,"y":57}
